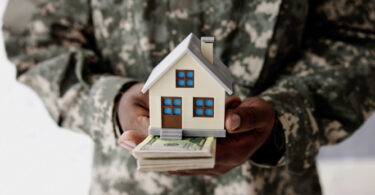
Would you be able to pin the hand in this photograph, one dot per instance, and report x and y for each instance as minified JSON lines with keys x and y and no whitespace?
{"x":133,"y":114}
{"x":249,"y":124}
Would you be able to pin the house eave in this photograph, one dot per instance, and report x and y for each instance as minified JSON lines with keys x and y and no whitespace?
{"x":223,"y":85}
{"x":147,"y":86}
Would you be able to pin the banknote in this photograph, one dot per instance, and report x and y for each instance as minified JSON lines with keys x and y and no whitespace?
{"x":175,"y":161}
{"x":176,"y":167}
{"x":174,"y":164}
{"x":154,"y":147}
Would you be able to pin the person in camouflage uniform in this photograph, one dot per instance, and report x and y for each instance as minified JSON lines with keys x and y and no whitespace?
{"x":313,"y":61}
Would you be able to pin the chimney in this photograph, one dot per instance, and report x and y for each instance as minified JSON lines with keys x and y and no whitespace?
{"x":207,"y":48}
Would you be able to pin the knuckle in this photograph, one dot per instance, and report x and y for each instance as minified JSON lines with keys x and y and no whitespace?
{"x":251,"y":113}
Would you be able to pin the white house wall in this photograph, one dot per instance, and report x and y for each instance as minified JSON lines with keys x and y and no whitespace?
{"x":204,"y":86}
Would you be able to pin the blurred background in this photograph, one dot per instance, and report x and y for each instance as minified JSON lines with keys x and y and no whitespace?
{"x":37,"y":157}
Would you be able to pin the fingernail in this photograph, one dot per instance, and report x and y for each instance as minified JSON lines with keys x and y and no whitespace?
{"x":236,"y":121}
{"x":130,"y":145}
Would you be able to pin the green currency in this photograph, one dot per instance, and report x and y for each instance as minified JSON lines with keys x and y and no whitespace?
{"x":155,"y":143}
{"x":154,"y":147}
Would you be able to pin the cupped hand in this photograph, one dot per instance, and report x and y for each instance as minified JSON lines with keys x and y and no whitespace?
{"x":249,"y":124}
{"x":133,"y":115}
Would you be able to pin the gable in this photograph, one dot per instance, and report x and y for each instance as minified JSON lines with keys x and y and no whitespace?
{"x":191,"y":45}
{"x":203,"y":82}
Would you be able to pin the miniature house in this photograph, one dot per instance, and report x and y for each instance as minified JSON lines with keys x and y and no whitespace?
{"x":187,"y":91}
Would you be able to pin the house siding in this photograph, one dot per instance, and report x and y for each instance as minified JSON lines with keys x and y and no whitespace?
{"x":204,"y":86}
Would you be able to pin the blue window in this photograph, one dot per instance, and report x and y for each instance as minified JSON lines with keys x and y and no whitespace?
{"x":167,"y":111}
{"x":176,"y":102}
{"x":203,"y":107}
{"x":189,"y":74}
{"x":180,"y":74}
{"x":208,"y":112}
{"x":199,"y":112}
{"x":167,"y":102}
{"x":208,"y":103}
{"x":171,"y":106}
{"x":181,"y":83}
{"x":190,"y":83}
{"x":199,"y":102}
{"x":185,"y":78}
{"x":176,"y":111}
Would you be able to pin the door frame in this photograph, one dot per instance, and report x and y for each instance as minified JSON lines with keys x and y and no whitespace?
{"x":172,"y":120}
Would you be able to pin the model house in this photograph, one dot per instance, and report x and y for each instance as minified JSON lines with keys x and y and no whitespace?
{"x":187,"y":91}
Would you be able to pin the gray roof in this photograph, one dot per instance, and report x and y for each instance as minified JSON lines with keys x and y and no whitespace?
{"x":191,"y":45}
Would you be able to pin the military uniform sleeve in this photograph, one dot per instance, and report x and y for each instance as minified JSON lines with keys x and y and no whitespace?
{"x":56,"y":56}
{"x":323,"y":98}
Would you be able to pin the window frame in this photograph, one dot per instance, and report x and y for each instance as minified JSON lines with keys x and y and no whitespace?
{"x":185,"y":79}
{"x":171,"y":106}
{"x":204,"y":107}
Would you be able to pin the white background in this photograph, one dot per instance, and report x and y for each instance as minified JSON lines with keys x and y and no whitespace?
{"x":38,"y":158}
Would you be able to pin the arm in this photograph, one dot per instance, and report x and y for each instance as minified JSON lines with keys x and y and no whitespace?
{"x":57,"y":57}
{"x":326,"y":95}
{"x":323,"y":98}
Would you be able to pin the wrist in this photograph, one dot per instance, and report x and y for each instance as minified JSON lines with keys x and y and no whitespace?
{"x":273,"y":149}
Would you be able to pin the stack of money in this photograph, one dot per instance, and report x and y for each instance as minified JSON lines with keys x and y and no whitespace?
{"x":155,"y":154}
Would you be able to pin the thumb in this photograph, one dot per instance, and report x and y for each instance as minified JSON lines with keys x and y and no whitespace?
{"x":232,"y":102}
{"x":131,"y":138}
{"x":252,"y":113}
{"x":240,"y":119}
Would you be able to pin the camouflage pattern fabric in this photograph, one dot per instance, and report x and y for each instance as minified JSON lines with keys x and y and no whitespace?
{"x":313,"y":61}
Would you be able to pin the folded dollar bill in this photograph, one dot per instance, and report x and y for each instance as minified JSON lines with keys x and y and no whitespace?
{"x":154,"y":147}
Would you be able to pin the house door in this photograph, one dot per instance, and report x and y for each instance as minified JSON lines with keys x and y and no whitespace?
{"x":171,"y":112}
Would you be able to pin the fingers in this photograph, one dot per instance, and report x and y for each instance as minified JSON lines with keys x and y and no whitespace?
{"x":241,"y":119}
{"x":134,"y":118}
{"x":145,"y":121}
{"x":133,"y":109}
{"x":248,"y":122}
{"x":140,"y":99}
{"x":232,"y":102}
{"x":244,"y":145}
{"x":141,"y":123}
{"x":131,"y":138}
{"x":133,"y":114}
{"x":251,"y":114}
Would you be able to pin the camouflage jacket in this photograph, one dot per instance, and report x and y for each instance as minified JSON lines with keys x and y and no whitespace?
{"x":313,"y":61}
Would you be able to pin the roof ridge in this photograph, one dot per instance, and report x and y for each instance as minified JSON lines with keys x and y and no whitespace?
{"x":191,"y":45}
